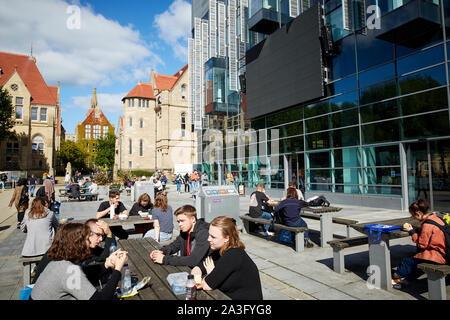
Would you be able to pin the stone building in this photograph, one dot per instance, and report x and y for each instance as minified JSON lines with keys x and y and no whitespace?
{"x":37,"y":117}
{"x":94,"y":126}
{"x":154,"y":132}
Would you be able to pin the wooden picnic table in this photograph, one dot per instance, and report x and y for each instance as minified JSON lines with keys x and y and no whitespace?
{"x":131,"y":220}
{"x":379,"y":251}
{"x":141,"y":265}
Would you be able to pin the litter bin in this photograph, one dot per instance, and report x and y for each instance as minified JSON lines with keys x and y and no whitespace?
{"x":214,"y":201}
{"x":141,"y":187}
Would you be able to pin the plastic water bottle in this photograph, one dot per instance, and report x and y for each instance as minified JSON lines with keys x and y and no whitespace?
{"x":126,"y":279}
{"x":191,"y":289}
{"x":111,"y":211}
{"x":112,"y":248}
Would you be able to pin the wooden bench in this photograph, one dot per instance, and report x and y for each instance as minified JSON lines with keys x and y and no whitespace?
{"x":298,"y":231}
{"x":345,"y":222}
{"x":338,"y":250}
{"x":436,"y":280}
{"x":28,"y":264}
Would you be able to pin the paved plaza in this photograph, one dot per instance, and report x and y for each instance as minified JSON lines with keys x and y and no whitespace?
{"x":285,"y":274}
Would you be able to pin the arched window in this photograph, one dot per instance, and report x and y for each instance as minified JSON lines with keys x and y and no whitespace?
{"x":183,"y":124}
{"x":37,"y":146}
{"x":141,"y":148}
{"x":183,"y":91}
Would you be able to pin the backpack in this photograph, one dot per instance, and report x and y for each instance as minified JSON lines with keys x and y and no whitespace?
{"x":446,"y":230}
{"x":23,"y":196}
{"x":320,"y":201}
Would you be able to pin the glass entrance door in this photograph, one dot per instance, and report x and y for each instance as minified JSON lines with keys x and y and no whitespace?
{"x":428,"y":173}
{"x":296,"y":167}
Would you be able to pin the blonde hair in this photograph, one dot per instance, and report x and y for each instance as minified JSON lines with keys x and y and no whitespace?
{"x":230,"y":230}
{"x":259,"y":187}
{"x":161,"y":202}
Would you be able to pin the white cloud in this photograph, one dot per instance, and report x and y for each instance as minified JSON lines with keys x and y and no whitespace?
{"x":174,"y":27}
{"x":100,"y":52}
{"x":108,"y":103}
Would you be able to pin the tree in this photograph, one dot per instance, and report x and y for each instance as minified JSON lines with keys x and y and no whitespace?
{"x":105,"y":149}
{"x":73,"y":153}
{"x":6,"y":112}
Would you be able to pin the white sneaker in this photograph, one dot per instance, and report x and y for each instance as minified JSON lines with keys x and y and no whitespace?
{"x":270,"y":233}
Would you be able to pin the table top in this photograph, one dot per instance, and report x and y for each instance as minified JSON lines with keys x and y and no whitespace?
{"x":321,"y":209}
{"x":394,"y":222}
{"x":158,"y":289}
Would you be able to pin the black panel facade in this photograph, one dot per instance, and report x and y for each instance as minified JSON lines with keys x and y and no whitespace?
{"x":287,"y":70}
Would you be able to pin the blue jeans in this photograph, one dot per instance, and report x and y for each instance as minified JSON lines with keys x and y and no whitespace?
{"x":408,"y":268}
{"x":32,"y":187}
{"x":268,"y":216}
{"x":179,"y":186}
{"x":163,"y":236}
{"x":299,"y":223}
{"x":3,"y":185}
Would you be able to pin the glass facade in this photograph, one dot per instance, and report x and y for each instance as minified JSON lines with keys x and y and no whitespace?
{"x":381,"y":129}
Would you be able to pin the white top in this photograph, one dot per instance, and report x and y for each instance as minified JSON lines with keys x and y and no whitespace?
{"x":40,"y":233}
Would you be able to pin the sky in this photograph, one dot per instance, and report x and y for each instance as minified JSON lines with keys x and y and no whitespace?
{"x":107,"y":44}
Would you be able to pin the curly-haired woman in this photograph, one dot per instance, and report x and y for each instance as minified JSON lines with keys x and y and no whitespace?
{"x":64,"y":279}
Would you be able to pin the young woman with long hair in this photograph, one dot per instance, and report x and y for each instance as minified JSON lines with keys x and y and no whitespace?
{"x":163,"y":219}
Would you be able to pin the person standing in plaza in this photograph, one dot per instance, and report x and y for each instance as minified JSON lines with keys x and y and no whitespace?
{"x":187,"y":183}
{"x":3,"y":181}
{"x":204,"y":179}
{"x":32,"y":184}
{"x":20,"y":198}
{"x":49,"y":189}
{"x":179,"y":182}
{"x":195,"y":183}
{"x":229,"y":268}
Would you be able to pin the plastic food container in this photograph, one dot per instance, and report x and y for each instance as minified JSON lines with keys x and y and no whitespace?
{"x":177,"y":282}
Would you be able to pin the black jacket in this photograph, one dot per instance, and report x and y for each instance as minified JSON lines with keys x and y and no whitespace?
{"x":198,"y":245}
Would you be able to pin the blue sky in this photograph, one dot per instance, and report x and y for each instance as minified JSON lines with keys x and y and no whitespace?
{"x":107,"y":44}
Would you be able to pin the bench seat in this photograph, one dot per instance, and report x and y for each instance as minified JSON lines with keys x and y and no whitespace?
{"x":436,"y":280}
{"x":338,"y":250}
{"x":28,"y":263}
{"x":298,"y":231}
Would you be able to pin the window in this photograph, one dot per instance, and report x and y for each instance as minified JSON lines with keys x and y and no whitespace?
{"x":87,"y":131}
{"x":131,"y":122}
{"x":96,"y":131}
{"x":147,"y":103}
{"x":34,"y":114}
{"x":183,"y":91}
{"x":183,"y":124}
{"x":19,"y":108}
{"x":37,"y":146}
{"x":130,"y":147}
{"x":105,"y":131}
{"x":141,"y":123}
{"x":12,"y":147}
{"x":141,"y":148}
{"x":43,"y":114}
{"x":130,"y":164}
{"x":140,"y":102}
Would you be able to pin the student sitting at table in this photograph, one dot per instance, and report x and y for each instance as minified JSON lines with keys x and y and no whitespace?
{"x":64,"y":279}
{"x":192,"y":241}
{"x":100,"y":232}
{"x":40,"y":224}
{"x":293,"y":184}
{"x":289,"y":212}
{"x":103,"y":211}
{"x":162,"y":220}
{"x":229,"y":268}
{"x":430,"y":241}
{"x":144,"y":204}
{"x":259,"y":202}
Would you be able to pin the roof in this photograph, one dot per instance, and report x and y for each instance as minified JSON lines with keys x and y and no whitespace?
{"x":29,"y":72}
{"x":91,"y":119}
{"x":165,"y":82}
{"x":141,"y":90}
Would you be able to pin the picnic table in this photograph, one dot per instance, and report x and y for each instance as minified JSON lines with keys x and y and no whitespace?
{"x":379,"y":251}
{"x":141,"y":265}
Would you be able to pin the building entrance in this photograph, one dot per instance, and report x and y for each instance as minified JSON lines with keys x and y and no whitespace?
{"x":296,"y":170}
{"x":428,"y":165}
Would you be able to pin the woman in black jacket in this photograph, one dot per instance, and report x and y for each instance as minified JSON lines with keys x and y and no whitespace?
{"x":289,"y":212}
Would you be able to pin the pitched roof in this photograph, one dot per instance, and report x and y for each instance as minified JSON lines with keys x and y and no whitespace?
{"x":141,"y":90}
{"x":29,"y":72}
{"x":165,"y":82}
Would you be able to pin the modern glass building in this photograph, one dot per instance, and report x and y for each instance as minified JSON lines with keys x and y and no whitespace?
{"x":373,"y":129}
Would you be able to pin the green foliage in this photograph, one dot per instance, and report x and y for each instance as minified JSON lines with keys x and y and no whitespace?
{"x":105,"y":151}
{"x":140,"y":173}
{"x":73,"y":153}
{"x":101,"y":178}
{"x":6,"y":113}
{"x":124,"y":175}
